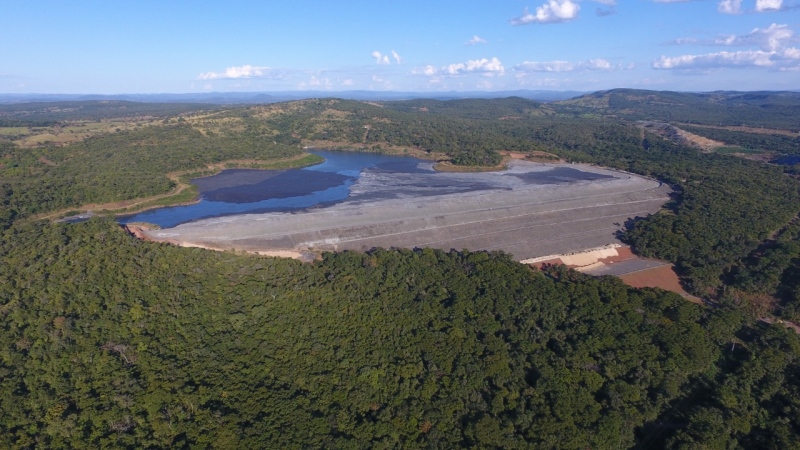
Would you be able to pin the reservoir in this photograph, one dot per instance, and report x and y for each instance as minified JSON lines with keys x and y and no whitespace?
{"x":788,"y":160}
{"x":251,"y":191}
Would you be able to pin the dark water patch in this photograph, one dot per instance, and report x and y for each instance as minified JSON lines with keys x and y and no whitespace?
{"x":234,"y":177}
{"x":787,"y":160}
{"x":283,"y":185}
{"x":558,"y":175}
{"x":176,"y":215}
{"x":253,"y":191}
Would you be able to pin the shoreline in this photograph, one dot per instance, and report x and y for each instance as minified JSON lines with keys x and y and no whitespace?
{"x":139,"y":232}
{"x":118,"y":209}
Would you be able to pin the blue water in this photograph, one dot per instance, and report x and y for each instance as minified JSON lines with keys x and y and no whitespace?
{"x":241,"y":191}
{"x":788,"y":160}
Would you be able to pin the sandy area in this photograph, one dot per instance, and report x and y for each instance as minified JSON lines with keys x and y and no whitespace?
{"x":583,"y":258}
{"x":140,"y":232}
{"x":750,"y":129}
{"x":619,"y":261}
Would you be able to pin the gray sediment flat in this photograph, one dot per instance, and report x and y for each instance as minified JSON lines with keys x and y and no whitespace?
{"x":529,"y":210}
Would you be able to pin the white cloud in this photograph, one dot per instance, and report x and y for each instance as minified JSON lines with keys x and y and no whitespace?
{"x":347,"y":82}
{"x":486,"y":66}
{"x":772,"y":52}
{"x":319,"y":82}
{"x":380,"y":58}
{"x":714,"y":60}
{"x":563,"y":66}
{"x":768,"y":5}
{"x":232,"y":73}
{"x":791,"y":54}
{"x":597,"y":64}
{"x":385,"y":84}
{"x":545,"y":66}
{"x":476,"y":40}
{"x":426,"y":70}
{"x":788,"y":58}
{"x":730,"y":6}
{"x":551,"y":12}
{"x":772,"y":38}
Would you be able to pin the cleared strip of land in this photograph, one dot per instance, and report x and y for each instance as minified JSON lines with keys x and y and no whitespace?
{"x":505,"y":213}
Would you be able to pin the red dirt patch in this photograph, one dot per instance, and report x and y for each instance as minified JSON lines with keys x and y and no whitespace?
{"x":624,"y":254}
{"x":663,"y":277}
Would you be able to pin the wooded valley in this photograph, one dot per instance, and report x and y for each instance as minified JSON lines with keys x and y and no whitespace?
{"x":109,"y":341}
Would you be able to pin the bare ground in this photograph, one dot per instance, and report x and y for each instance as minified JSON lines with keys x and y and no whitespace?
{"x":663,"y":277}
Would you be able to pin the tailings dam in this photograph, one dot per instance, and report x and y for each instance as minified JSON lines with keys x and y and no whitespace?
{"x":529,"y":210}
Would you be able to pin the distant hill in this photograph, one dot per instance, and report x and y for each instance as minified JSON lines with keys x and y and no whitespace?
{"x":281,"y":96}
{"x":778,"y":109}
{"x":508,"y":108}
{"x":47,"y":113}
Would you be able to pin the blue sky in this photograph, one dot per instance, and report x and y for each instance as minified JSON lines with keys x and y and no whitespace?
{"x":112,"y":47}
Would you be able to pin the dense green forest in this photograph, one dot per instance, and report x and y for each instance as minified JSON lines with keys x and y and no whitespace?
{"x":143,"y":345}
{"x":108,"y":341}
{"x":119,"y":166}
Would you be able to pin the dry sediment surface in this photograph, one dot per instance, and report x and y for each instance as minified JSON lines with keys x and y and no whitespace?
{"x":529,"y":210}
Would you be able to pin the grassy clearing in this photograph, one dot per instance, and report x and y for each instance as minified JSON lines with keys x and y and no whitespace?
{"x":69,"y":132}
{"x":13,"y":131}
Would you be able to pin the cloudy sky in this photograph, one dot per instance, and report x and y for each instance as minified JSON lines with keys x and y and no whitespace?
{"x":145,"y":46}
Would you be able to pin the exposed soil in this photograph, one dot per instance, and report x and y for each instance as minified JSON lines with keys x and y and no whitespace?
{"x":535,"y":156}
{"x":680,"y":136}
{"x":47,"y":162}
{"x":663,"y":277}
{"x":749,"y":129}
{"x":446,"y":166}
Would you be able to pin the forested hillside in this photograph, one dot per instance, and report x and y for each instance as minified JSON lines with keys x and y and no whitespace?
{"x":108,"y":341}
{"x":138,"y":345}
{"x":756,"y":109}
